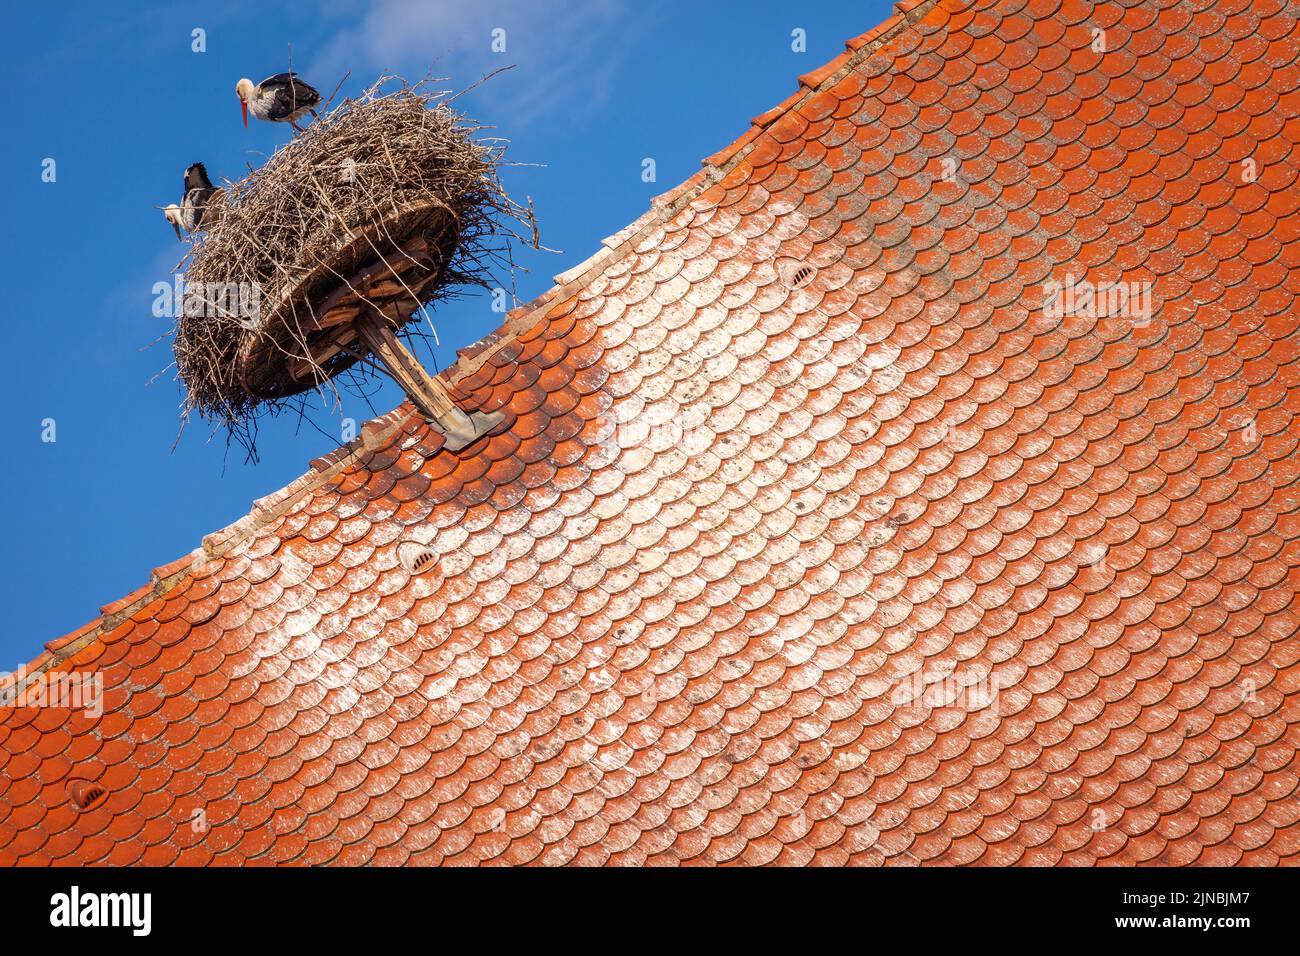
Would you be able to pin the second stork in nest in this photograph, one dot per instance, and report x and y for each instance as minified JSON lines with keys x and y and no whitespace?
{"x":192,"y":211}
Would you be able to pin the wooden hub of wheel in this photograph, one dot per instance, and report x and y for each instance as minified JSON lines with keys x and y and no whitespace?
{"x":351,"y":307}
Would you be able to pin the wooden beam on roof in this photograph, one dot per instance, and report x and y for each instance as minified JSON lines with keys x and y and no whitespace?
{"x":430,"y":394}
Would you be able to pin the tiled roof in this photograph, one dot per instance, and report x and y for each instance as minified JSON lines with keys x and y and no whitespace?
{"x":674,"y":599}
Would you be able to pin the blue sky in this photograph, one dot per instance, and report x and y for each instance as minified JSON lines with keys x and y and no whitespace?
{"x":117,"y":98}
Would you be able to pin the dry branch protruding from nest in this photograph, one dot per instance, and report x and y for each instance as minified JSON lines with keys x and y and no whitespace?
{"x":337,"y":196}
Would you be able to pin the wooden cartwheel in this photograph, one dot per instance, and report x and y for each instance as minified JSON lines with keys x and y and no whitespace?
{"x":352,"y":306}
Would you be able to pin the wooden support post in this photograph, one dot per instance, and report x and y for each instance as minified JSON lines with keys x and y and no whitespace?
{"x":428,"y":393}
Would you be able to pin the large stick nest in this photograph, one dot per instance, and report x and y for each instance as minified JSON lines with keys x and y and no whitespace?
{"x":386,"y":201}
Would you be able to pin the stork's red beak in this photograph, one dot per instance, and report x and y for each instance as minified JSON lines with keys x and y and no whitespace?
{"x":243,"y":105}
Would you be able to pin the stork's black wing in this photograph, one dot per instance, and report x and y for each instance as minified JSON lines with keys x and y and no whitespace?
{"x":288,"y":94}
{"x":196,"y":177}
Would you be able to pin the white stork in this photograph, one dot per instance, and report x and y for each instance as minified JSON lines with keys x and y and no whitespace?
{"x":190,"y":214}
{"x":172,"y":213}
{"x":282,"y":98}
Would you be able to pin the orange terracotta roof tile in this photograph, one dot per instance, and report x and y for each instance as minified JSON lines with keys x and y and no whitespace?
{"x":811,"y":533}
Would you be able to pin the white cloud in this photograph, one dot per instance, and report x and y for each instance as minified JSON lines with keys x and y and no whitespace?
{"x":564,"y":55}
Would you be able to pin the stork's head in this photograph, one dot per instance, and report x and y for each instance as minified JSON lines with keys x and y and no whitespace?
{"x":244,"y":90}
{"x":172,"y":213}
